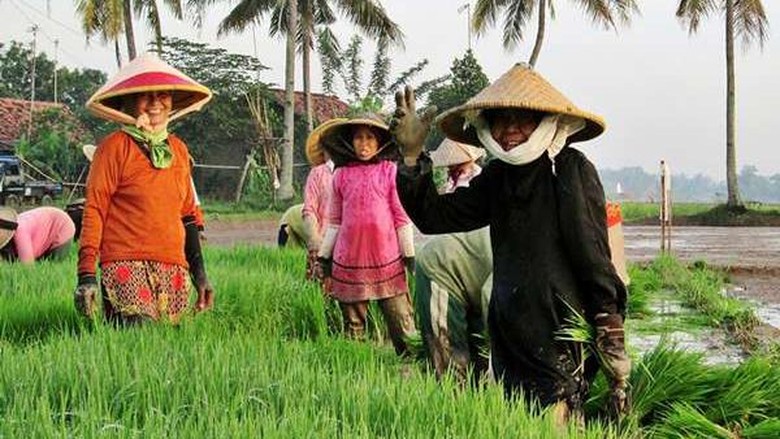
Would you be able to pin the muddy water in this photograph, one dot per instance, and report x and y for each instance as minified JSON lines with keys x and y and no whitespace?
{"x":722,"y":246}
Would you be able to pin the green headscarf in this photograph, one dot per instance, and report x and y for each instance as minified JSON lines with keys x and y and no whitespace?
{"x":159,"y":152}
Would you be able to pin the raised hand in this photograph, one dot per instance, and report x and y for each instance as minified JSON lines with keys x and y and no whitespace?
{"x":407,"y":128}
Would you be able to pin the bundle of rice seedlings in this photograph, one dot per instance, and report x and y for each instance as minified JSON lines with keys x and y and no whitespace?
{"x":666,"y":376}
{"x":745,"y":394}
{"x":685,"y":422}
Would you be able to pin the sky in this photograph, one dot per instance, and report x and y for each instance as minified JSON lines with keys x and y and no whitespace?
{"x":661,"y":90}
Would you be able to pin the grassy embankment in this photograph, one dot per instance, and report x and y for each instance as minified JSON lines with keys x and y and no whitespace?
{"x":702,"y":214}
{"x":265,"y":364}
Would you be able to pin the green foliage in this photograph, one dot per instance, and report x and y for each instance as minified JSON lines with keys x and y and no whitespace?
{"x":466,"y":80}
{"x":353,"y":68}
{"x":74,"y":86}
{"x":264,"y":363}
{"x":55,"y":146}
{"x":222,"y":71}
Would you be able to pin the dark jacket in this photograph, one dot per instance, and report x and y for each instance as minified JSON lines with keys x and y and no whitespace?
{"x":550,"y":256}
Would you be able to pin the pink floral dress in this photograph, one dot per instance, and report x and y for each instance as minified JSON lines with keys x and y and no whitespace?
{"x":367,"y":259}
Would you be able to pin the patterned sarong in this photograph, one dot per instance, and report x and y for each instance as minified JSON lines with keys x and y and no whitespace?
{"x":148,"y":289}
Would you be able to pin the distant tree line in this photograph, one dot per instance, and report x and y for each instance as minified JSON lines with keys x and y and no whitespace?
{"x":636,"y":184}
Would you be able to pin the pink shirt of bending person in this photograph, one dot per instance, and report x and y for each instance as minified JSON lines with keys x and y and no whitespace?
{"x":316,"y":199}
{"x":40,"y":231}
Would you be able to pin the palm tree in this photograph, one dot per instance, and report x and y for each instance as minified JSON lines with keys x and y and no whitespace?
{"x":110,"y":18}
{"x":517,"y":14}
{"x":368,"y":15}
{"x":747,"y":20}
{"x":298,"y":20}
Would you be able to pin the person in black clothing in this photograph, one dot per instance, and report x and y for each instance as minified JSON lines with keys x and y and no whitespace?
{"x":545,"y":206}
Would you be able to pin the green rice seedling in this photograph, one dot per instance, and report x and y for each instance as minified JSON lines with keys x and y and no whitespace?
{"x":745,"y":394}
{"x":767,"y":429}
{"x":644,"y":283}
{"x":684,"y":421}
{"x":665,"y":376}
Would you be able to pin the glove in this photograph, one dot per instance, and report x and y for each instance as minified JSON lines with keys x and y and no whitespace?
{"x":85,"y":296}
{"x":326,"y":267}
{"x":407,"y":128}
{"x":409,"y":264}
{"x":610,"y":342}
{"x":194,"y":256}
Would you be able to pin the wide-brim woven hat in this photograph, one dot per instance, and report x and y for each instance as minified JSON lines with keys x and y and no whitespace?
{"x":451,"y":153}
{"x":336,"y":138}
{"x":147,"y":73}
{"x":521,"y":87}
{"x":315,"y":153}
{"x":7,"y":215}
{"x":89,"y":151}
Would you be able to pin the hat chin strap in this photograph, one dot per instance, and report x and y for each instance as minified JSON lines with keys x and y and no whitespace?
{"x":549,"y":136}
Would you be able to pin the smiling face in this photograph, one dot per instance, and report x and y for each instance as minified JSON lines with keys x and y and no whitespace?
{"x":365,"y":142}
{"x":156,"y":106}
{"x":512,"y":127}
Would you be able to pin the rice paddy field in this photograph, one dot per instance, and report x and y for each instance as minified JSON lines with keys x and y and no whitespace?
{"x":268,"y":362}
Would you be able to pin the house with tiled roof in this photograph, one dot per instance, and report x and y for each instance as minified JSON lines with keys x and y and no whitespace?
{"x":15,"y":118}
{"x":324,"y":106}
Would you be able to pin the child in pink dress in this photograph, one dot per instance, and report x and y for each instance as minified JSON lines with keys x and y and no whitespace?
{"x":368,"y":244}
{"x":316,"y":200}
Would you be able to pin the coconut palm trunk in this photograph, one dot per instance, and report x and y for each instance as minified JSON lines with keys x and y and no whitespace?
{"x":129,"y":34}
{"x":286,"y":183}
{"x":734,"y":201}
{"x":539,"y":33}
{"x":307,"y":39}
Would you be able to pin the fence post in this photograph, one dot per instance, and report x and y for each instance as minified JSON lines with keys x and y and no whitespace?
{"x":666,"y":208}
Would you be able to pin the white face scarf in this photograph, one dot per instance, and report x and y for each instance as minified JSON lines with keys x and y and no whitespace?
{"x":549,"y":136}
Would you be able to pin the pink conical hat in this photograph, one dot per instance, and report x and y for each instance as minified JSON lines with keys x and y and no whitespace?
{"x":147,"y":73}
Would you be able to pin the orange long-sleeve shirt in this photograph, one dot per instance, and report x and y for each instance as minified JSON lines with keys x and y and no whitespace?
{"x":133,"y":210}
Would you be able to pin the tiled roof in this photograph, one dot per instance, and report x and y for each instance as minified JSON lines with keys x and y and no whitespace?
{"x":15,"y":116}
{"x":325,"y":107}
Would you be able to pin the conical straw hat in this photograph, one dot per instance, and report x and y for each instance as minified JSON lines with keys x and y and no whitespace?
{"x":451,"y":153}
{"x":89,"y":151}
{"x":147,"y":73}
{"x":335,"y":136}
{"x":314,"y":151}
{"x":7,"y":229}
{"x":520,"y":87}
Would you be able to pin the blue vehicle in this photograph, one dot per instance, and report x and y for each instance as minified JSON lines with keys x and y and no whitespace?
{"x":16,"y":188}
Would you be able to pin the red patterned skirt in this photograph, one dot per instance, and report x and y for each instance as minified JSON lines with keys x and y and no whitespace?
{"x":145,"y":289}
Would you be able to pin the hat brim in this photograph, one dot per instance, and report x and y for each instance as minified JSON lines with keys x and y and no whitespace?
{"x":314,"y":150}
{"x":521,"y":88}
{"x":451,"y":153}
{"x":336,"y":139}
{"x":453,"y":122}
{"x":144,"y":74}
{"x":89,"y":151}
{"x":6,"y":235}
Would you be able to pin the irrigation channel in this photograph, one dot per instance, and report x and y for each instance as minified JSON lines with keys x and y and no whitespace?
{"x":751,"y":255}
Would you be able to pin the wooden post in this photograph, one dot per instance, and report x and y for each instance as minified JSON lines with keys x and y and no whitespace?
{"x":666,"y":208}
{"x":244,"y":171}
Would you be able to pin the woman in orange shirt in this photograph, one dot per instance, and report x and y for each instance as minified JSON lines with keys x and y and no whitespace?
{"x":139,"y":219}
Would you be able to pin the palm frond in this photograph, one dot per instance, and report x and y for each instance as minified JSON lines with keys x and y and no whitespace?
{"x":750,"y":22}
{"x":692,"y":12}
{"x":244,"y":14}
{"x":517,"y":15}
{"x":372,"y":19}
{"x":486,"y":14}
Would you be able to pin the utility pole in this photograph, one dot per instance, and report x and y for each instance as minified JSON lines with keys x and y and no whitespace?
{"x":56,"y":51}
{"x":467,"y":7}
{"x":34,"y":30}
